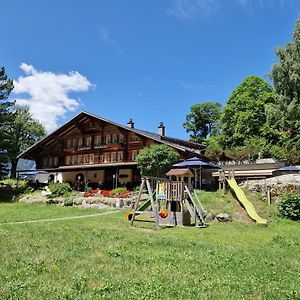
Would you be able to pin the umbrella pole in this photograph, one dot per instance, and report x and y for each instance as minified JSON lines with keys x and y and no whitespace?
{"x":195,"y":181}
{"x":200,"y":176}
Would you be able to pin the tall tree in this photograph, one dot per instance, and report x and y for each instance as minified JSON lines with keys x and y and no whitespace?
{"x":202,"y":121}
{"x":244,"y":116}
{"x":23,"y":131}
{"x":286,"y":78}
{"x":6,"y":86}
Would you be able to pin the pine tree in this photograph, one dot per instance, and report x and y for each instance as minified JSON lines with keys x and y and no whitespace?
{"x":6,"y":116}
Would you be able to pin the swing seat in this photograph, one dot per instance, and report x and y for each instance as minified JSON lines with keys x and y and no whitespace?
{"x":163,"y":213}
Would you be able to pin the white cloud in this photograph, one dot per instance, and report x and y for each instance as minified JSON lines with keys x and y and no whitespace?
{"x":48,"y":93}
{"x":262,"y":4}
{"x":107,"y":39}
{"x":185,"y":9}
{"x":188,"y":8}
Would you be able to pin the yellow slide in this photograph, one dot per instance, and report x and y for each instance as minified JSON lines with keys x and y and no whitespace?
{"x":245,"y":202}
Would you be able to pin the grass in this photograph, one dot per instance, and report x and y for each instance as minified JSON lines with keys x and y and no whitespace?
{"x":25,"y":212}
{"x":103,"y":257}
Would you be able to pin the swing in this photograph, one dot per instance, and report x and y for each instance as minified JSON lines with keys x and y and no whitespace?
{"x":163,"y":213}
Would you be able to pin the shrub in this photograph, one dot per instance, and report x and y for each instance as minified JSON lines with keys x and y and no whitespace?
{"x":289,"y":206}
{"x":59,"y":189}
{"x":118,"y":191}
{"x":10,"y":189}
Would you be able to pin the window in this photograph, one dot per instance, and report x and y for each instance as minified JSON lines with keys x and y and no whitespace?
{"x":69,"y":143}
{"x":55,"y":161}
{"x":80,"y":142}
{"x":68,"y":160}
{"x":50,"y":161}
{"x":120,"y":155}
{"x":91,"y":158}
{"x":88,"y":141}
{"x":135,"y":138}
{"x":134,"y":155}
{"x":121,"y":138}
{"x":101,"y":159}
{"x":106,"y":157}
{"x":74,"y":160}
{"x":45,"y":161}
{"x":80,"y":159}
{"x":86,"y":158}
{"x":108,"y":139}
{"x":74,"y":143}
{"x":113,"y":156}
{"x":115,"y":138}
{"x":97,"y":140}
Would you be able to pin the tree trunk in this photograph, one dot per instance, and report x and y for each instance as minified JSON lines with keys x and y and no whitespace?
{"x":13,"y":170}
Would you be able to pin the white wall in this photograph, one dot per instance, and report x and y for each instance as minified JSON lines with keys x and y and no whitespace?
{"x":96,"y":176}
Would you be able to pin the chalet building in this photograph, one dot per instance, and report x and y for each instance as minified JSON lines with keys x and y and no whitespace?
{"x":103,"y":153}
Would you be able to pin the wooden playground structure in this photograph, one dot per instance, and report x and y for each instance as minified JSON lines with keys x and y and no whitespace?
{"x":171,"y":202}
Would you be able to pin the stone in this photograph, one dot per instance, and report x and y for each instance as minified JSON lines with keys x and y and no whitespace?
{"x":209,"y":218}
{"x":78,"y":201}
{"x":223,"y":217}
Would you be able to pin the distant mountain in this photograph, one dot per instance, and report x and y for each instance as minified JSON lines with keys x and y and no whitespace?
{"x":25,"y":164}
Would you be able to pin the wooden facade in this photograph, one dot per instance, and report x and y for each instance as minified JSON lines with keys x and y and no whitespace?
{"x":90,"y":148}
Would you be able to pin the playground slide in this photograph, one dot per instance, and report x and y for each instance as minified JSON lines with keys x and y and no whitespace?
{"x":144,"y":205}
{"x":245,"y":202}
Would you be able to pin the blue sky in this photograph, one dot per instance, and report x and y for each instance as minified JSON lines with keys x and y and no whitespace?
{"x":149,"y":60}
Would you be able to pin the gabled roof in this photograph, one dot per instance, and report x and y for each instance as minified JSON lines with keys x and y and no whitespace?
{"x":180,"y":172}
{"x":178,"y":144}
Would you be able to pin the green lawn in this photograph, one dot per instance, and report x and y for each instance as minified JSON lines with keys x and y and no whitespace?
{"x":103,"y":257}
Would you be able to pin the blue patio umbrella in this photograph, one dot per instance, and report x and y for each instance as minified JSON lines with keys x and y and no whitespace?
{"x":289,"y":169}
{"x":195,"y":162}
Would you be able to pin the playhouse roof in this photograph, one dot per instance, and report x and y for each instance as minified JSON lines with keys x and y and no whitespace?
{"x":180,"y":172}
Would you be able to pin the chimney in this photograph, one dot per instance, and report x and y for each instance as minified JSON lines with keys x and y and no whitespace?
{"x":130,"y":123}
{"x":161,"y":129}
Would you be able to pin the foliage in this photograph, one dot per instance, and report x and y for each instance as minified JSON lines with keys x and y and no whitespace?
{"x":118,"y":191}
{"x":286,"y":79}
{"x":23,"y":131}
{"x":6,"y":86}
{"x":10,"y":189}
{"x":156,"y":160}
{"x":213,"y":150}
{"x":203,"y":120}
{"x":244,"y":115}
{"x":289,"y":206}
{"x":59,"y":189}
{"x":85,"y":259}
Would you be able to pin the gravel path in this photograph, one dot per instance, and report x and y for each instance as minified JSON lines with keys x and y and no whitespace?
{"x":61,"y":219}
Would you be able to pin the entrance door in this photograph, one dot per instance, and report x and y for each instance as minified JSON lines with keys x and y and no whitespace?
{"x":109,"y":178}
{"x":79,"y":182}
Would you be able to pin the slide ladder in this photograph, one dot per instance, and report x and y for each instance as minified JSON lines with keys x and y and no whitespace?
{"x":194,"y":210}
{"x":245,"y":202}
